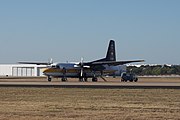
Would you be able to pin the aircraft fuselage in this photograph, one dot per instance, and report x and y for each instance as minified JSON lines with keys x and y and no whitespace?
{"x":70,"y":70}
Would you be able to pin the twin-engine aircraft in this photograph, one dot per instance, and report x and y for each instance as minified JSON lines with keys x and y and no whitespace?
{"x":84,"y":70}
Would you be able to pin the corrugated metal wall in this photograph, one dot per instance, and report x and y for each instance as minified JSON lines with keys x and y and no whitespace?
{"x":22,"y":71}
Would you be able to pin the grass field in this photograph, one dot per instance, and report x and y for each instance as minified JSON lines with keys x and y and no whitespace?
{"x":80,"y":104}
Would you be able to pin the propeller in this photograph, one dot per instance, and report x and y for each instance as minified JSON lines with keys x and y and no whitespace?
{"x":81,"y":65}
{"x":50,"y":61}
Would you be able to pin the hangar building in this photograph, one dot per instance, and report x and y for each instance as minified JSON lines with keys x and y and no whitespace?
{"x":22,"y":70}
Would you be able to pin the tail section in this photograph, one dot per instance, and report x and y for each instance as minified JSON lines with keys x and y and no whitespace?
{"x":110,"y":58}
{"x":111,"y":53}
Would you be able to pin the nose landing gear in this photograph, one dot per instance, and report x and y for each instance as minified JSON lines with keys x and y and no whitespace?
{"x":49,"y":78}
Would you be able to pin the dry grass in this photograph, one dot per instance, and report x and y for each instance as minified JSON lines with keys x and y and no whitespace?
{"x":159,"y":79}
{"x":80,"y":104}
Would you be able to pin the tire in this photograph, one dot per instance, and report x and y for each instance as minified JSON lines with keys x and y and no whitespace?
{"x":49,"y":79}
{"x":85,"y":79}
{"x":130,"y":80}
{"x":80,"y":79}
{"x":136,"y":80}
{"x":94,"y":80}
{"x":63,"y":79}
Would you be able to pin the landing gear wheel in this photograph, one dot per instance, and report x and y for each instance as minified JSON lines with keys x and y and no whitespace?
{"x":94,"y":79}
{"x":63,"y":79}
{"x":130,"y":80}
{"x":80,"y":79}
{"x":85,"y":79}
{"x":136,"y":80}
{"x":49,"y":79}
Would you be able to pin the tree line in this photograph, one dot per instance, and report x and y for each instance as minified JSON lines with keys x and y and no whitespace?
{"x":155,"y":70}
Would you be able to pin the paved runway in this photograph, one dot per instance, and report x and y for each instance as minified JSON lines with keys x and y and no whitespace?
{"x":109,"y":85}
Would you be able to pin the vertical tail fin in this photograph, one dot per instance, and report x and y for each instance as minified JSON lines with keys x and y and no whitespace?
{"x":111,"y":54}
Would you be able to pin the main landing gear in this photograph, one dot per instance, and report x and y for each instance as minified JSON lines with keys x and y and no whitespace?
{"x":64,"y":79}
{"x":94,"y":79}
{"x":83,"y":78}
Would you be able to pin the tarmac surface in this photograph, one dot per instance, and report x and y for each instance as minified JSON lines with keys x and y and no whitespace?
{"x":110,"y":84}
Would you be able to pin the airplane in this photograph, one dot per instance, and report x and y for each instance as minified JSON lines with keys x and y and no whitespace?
{"x":84,"y":70}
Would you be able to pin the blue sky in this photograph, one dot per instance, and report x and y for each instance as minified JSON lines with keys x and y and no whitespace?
{"x":66,"y":30}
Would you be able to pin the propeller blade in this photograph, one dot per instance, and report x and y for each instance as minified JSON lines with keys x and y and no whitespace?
{"x":81,"y":60}
{"x":81,"y":65}
{"x":81,"y":72}
{"x":50,"y":61}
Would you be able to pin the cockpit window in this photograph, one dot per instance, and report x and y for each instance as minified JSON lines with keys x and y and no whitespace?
{"x":57,"y":66}
{"x":53,"y":66}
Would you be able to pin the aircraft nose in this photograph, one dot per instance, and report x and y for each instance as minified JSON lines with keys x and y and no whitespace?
{"x":46,"y":71}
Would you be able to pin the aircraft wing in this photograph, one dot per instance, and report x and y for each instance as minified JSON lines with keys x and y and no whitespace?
{"x":113,"y":63}
{"x":36,"y":63}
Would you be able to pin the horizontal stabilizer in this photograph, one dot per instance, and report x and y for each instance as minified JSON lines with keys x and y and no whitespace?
{"x":114,"y":63}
